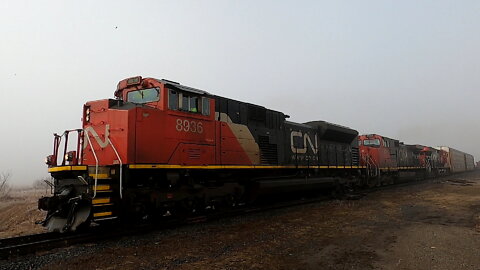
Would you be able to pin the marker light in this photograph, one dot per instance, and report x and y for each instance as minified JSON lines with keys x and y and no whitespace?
{"x":134,"y":80}
{"x":87,"y":114}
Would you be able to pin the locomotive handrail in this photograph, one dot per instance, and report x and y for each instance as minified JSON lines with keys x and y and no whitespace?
{"x":371,"y":165}
{"x":56,"y":144}
{"x":121,"y":165}
{"x":375,"y":166}
{"x":96,"y":165}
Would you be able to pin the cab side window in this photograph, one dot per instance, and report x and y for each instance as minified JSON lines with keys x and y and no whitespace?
{"x":172,"y":100}
{"x":184,"y":102}
{"x":193,"y":105}
{"x":205,"y":106}
{"x":188,"y":102}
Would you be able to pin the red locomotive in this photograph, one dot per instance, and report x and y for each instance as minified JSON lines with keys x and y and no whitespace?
{"x":164,"y":147}
{"x":389,"y":160}
{"x":161,"y":147}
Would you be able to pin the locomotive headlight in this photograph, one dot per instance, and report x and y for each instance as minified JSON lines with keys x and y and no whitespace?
{"x":48,"y":160}
{"x":70,"y":155}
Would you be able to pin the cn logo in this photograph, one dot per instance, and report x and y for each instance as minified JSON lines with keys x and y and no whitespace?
{"x":94,"y":134}
{"x":298,"y":142}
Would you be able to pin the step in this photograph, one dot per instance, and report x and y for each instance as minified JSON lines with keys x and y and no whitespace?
{"x":105,"y":218}
{"x":102,"y":188}
{"x":103,"y":204}
{"x":100,"y":176}
{"x":102,"y":214}
{"x":98,"y":201}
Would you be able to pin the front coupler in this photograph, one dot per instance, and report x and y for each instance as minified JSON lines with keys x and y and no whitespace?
{"x":69,"y":207}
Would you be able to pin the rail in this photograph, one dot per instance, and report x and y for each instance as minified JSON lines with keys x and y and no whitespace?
{"x":371,"y":166}
{"x":22,"y":245}
{"x":46,"y":241}
{"x":121,"y":165}
{"x":96,"y":165}
{"x":57,"y":140}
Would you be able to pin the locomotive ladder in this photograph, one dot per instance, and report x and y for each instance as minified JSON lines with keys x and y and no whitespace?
{"x":104,"y":200}
{"x":103,"y":203}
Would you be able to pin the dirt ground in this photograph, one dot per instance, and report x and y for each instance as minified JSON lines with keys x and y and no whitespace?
{"x":18,"y":212}
{"x":433,"y":224}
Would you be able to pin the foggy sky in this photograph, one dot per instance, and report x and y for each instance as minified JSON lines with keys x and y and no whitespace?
{"x":409,"y":70}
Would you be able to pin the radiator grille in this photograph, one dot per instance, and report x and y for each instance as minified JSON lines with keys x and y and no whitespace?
{"x":193,"y":153}
{"x":355,"y":156}
{"x":268,"y":151}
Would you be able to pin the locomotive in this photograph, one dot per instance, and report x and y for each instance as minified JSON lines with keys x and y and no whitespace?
{"x":389,"y":160}
{"x":160,"y":147}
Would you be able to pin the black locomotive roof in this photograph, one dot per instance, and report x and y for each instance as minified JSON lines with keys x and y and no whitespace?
{"x":333,"y":132}
{"x":329,"y":131}
{"x":298,"y":124}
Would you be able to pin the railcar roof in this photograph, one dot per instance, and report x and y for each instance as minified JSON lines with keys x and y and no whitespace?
{"x":298,"y":124}
{"x":321,"y":122}
{"x":374,"y":134}
{"x":179,"y":86}
{"x":176,"y":85}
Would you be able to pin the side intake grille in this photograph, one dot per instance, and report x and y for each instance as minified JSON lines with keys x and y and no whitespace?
{"x":193,"y":153}
{"x":355,"y":156}
{"x":268,"y":151}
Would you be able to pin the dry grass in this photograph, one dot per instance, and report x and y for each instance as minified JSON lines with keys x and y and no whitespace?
{"x":4,"y":185}
{"x":18,"y":212}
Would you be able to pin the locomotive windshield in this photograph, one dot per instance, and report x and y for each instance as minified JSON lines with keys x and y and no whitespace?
{"x":144,"y":95}
{"x":373,"y":142}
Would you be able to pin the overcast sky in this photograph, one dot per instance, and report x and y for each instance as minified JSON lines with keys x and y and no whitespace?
{"x":405,"y":69}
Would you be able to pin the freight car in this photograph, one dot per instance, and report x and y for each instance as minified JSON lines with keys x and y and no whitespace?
{"x":161,"y":147}
{"x":458,"y":161}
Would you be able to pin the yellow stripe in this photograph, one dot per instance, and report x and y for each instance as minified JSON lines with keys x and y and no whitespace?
{"x":102,"y":214}
{"x":100,"y":205}
{"x":165,"y":166}
{"x":67,"y":168}
{"x":102,"y":187}
{"x":100,"y":176}
{"x":101,"y":201}
{"x":410,"y":168}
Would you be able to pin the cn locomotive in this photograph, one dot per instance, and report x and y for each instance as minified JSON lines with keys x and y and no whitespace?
{"x":160,"y":147}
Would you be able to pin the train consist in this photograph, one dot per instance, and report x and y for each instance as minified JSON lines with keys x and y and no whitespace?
{"x":162,"y":148}
{"x":388,"y":160}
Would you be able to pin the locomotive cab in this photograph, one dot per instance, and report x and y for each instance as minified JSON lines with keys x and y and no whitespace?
{"x":150,"y":122}
{"x":378,"y":151}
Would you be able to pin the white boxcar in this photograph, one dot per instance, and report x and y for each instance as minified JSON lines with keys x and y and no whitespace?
{"x":458,"y":161}
{"x":470,"y":162}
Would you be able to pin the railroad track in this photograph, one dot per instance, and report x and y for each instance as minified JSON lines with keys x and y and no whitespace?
{"x":22,"y":245}
{"x":30,"y":244}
